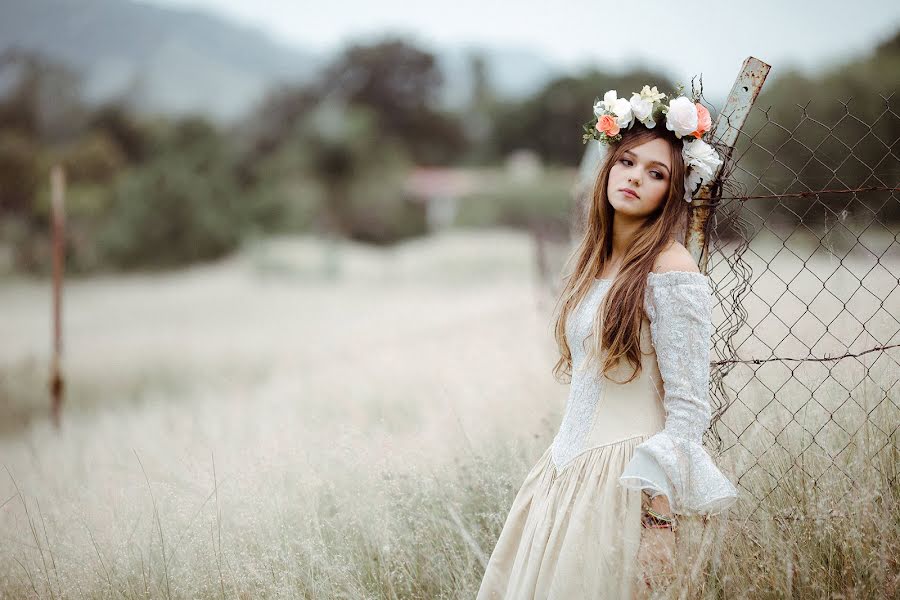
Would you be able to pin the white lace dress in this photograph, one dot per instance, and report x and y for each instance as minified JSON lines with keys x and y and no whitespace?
{"x":573,"y":530}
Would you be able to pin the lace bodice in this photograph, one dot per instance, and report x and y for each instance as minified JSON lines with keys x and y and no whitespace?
{"x":672,"y":461}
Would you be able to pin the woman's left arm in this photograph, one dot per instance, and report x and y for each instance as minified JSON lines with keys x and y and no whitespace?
{"x":673,"y":463}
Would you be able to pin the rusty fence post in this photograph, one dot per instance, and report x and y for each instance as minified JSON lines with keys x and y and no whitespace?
{"x":726,"y":129}
{"x":58,"y":224}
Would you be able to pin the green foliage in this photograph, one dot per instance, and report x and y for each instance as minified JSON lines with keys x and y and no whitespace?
{"x":174,"y":211}
{"x":335,"y":156}
{"x":361,"y":173}
{"x":379,"y":212}
{"x":133,"y":138}
{"x":93,"y":158}
{"x":827,"y":132}
{"x":20,"y":172}
{"x":399,"y":83}
{"x":335,"y":169}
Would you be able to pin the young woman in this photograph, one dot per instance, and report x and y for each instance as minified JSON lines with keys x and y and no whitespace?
{"x":596,"y":516}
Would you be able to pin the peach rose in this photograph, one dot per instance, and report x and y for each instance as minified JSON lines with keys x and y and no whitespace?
{"x":607,"y":124}
{"x":704,"y":122}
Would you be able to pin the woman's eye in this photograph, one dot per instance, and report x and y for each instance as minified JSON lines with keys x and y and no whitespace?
{"x":657,"y":174}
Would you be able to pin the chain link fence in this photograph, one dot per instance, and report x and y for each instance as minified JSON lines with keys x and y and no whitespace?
{"x":804,"y":258}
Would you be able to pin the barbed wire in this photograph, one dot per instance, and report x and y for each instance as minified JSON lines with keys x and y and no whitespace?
{"x":759,"y":361}
{"x":800,"y":194}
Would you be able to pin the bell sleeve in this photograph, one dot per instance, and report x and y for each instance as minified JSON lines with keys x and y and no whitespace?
{"x":673,"y":461}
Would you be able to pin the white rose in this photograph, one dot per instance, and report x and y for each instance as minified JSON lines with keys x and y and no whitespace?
{"x":691,"y":181}
{"x":698,"y":153}
{"x":605,"y":105}
{"x":682,"y":116}
{"x":609,"y":98}
{"x":700,"y":161}
{"x":622,"y":109}
{"x":642,"y":110}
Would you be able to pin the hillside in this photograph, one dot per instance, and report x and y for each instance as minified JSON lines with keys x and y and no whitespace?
{"x":164,"y":59}
{"x":175,"y":61}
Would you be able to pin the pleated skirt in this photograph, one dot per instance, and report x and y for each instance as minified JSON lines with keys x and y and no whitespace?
{"x":571,"y":534}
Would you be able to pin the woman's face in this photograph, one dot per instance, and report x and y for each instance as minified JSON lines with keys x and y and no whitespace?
{"x":646,"y":170}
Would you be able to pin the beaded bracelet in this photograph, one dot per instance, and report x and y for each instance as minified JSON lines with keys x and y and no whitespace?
{"x":654,"y":520}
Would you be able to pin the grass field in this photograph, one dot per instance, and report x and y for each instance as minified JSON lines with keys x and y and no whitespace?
{"x":253,"y":429}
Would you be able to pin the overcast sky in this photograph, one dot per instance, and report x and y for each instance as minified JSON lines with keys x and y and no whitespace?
{"x":685,"y":38}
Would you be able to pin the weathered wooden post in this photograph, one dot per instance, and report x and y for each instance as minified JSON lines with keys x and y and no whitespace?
{"x":58,"y":224}
{"x":727,"y":126}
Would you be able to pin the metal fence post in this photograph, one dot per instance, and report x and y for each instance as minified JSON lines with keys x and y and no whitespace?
{"x":725,"y":131}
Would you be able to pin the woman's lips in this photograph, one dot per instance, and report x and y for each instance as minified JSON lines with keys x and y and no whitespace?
{"x":629,"y":193}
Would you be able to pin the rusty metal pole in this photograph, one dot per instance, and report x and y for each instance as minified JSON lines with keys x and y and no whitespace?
{"x":58,"y":224}
{"x":728,"y":124}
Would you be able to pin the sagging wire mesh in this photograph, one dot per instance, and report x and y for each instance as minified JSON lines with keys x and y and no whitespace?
{"x":804,"y":259}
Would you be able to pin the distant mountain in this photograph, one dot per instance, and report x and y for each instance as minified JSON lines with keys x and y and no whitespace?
{"x":166,"y":60}
{"x":177,"y":61}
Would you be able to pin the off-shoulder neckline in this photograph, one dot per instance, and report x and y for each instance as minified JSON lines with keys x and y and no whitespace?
{"x":663,"y":277}
{"x":676,"y":277}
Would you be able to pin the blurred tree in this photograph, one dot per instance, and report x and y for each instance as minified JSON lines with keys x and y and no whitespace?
{"x":94,"y":158}
{"x":43,"y":101}
{"x":39,"y":108}
{"x":804,"y":138}
{"x":133,"y":138}
{"x":352,"y":133}
{"x":478,"y":124}
{"x":20,"y":173}
{"x":401,"y":84}
{"x":269,"y":128}
{"x":362,"y":176}
{"x":180,"y":207}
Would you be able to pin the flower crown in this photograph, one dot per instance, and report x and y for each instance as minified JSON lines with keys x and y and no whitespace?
{"x":684,"y":116}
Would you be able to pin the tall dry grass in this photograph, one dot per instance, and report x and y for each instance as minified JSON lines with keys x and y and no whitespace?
{"x":250,"y":430}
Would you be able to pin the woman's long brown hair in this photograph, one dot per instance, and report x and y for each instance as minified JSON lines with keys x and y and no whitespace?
{"x":618,"y":321}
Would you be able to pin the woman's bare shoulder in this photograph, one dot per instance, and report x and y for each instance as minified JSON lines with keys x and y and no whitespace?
{"x":675,"y":258}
